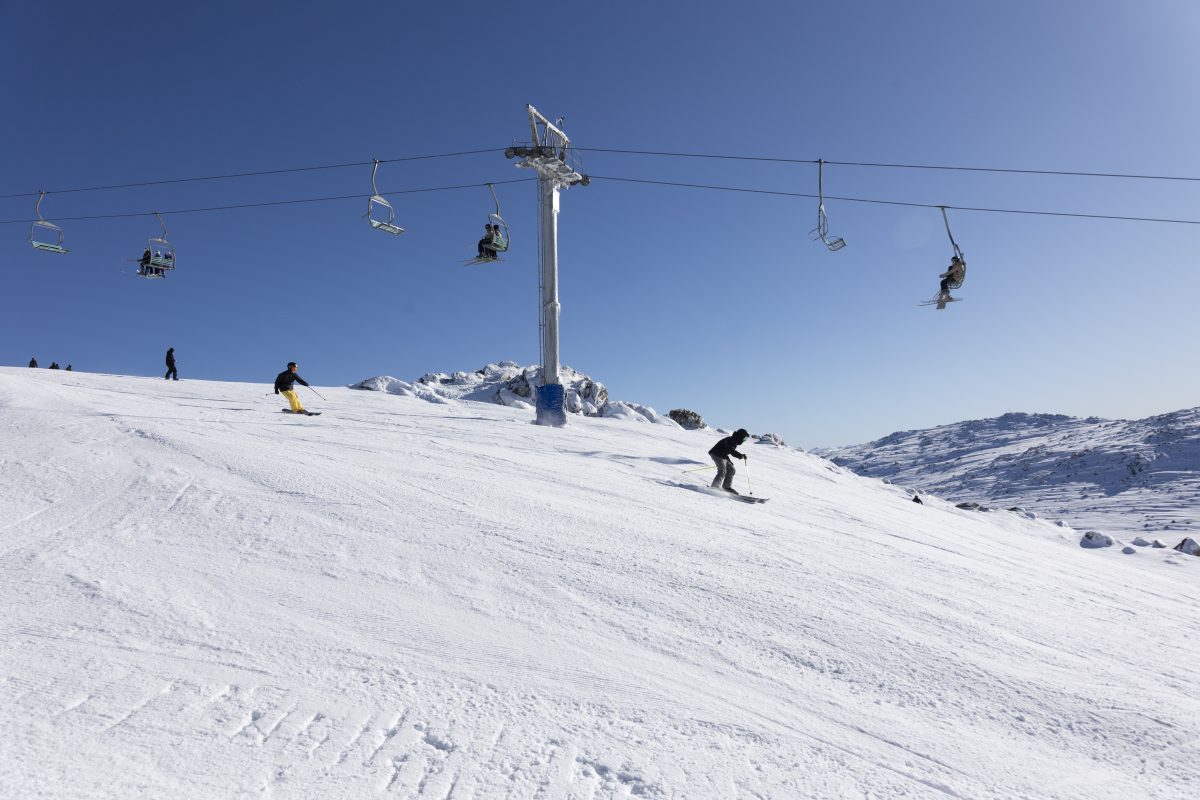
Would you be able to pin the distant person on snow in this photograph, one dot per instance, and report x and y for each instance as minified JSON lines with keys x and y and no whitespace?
{"x":68,"y":368}
{"x":954,"y":275}
{"x":171,"y":372}
{"x":53,"y":365}
{"x":284,"y":383}
{"x":33,"y":363}
{"x":721,"y":452}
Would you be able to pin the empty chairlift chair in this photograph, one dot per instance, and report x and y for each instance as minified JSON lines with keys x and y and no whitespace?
{"x":45,"y":235}
{"x":377,"y":206}
{"x":834,"y":243}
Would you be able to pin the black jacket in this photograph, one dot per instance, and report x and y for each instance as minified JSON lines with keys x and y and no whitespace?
{"x":727,"y":447}
{"x":285,"y":379}
{"x":171,"y":357}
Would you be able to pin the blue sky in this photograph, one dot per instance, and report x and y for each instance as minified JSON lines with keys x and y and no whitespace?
{"x":672,"y":297}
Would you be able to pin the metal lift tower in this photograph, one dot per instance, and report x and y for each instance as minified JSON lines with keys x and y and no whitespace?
{"x":549,"y":153}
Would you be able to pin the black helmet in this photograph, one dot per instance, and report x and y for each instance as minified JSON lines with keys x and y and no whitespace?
{"x":742,"y":433}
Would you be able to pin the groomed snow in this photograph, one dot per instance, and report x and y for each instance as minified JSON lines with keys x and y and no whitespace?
{"x":206,"y":598}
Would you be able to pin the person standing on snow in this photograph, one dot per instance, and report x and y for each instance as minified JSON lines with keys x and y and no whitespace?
{"x":721,"y":452}
{"x":284,"y":385}
{"x":171,"y":371}
{"x":33,"y":363}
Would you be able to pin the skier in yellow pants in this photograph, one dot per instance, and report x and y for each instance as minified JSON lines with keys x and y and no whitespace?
{"x":284,"y":383}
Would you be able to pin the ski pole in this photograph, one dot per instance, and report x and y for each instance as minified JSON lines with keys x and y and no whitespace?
{"x":697,"y":469}
{"x":318,"y":394}
{"x":746,"y":463}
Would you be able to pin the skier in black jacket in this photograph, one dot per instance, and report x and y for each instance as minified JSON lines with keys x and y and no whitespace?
{"x":284,"y":384}
{"x":171,"y":372}
{"x":721,"y":452}
{"x":33,"y":363}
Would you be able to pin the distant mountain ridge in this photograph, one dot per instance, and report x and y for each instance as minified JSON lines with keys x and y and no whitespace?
{"x":1115,"y":475}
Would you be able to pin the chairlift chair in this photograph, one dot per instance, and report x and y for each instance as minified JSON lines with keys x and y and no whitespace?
{"x":388,"y":225}
{"x":162,"y":252}
{"x":500,"y":240}
{"x":958,"y":254}
{"x":821,"y":232}
{"x":500,"y":244}
{"x":45,"y":235}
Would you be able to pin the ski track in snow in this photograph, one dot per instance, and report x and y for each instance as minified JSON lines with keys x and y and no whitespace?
{"x":207,"y":599}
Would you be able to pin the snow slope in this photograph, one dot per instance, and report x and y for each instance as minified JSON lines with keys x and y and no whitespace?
{"x":1123,"y":477}
{"x":205,"y":598}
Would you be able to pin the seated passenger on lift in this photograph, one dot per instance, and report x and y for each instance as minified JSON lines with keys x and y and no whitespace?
{"x":953,"y":277}
{"x":499,"y":244}
{"x":486,"y":251}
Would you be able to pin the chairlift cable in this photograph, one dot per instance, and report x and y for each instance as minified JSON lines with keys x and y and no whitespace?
{"x":254,"y":174}
{"x":888,"y":165}
{"x":268,"y":203}
{"x":900,"y":202}
{"x":659,"y":153}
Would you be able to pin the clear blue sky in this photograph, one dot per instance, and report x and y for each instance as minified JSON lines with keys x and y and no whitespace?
{"x":672,"y":297}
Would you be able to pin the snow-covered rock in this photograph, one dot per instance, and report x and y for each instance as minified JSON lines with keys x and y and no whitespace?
{"x":1188,"y":546}
{"x":506,"y":383}
{"x":686,"y":419}
{"x":1096,"y":539}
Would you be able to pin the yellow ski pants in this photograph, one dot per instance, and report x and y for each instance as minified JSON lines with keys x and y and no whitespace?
{"x":293,"y":400}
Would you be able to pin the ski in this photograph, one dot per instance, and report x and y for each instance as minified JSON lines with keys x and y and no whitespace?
{"x":941,"y":303}
{"x":711,"y":492}
{"x":307,"y":413}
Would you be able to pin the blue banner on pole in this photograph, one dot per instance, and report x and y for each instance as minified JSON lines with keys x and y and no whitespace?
{"x":551,"y":408}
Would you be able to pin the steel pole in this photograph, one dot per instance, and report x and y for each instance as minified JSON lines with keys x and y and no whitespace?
{"x":551,"y":397}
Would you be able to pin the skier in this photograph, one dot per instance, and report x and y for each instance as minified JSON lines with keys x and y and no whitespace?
{"x":68,"y":369}
{"x":171,"y":371}
{"x":721,"y":452}
{"x":53,"y":365}
{"x":284,"y":384}
{"x":953,"y":275}
{"x":33,"y":363}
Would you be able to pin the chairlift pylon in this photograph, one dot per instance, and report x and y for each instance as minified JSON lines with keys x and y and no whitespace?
{"x":388,"y":225}
{"x":822,"y":230}
{"x":42,"y":229}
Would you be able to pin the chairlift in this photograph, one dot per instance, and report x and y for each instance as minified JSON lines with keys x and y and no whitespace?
{"x":388,"y":225}
{"x":45,"y":235}
{"x":500,"y":239}
{"x":822,"y":230}
{"x":958,"y":263}
{"x":159,"y":255}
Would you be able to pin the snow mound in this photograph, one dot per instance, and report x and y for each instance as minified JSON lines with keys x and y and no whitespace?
{"x":390,"y":385}
{"x":618,"y":409}
{"x":770,"y":438}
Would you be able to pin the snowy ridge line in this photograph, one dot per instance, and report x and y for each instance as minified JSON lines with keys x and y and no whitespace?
{"x":1123,"y":477}
{"x":445,"y":600}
